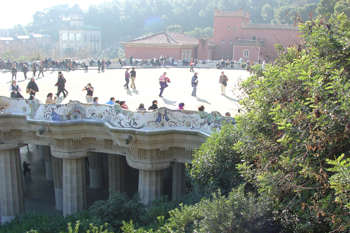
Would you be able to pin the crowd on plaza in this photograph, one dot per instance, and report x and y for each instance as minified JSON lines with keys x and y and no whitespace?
{"x":32,"y":88}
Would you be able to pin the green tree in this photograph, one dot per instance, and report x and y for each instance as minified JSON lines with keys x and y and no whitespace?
{"x":174,"y":28}
{"x":214,"y":163}
{"x":296,"y":118}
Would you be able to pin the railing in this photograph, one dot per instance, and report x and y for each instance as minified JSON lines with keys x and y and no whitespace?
{"x":249,"y":42}
{"x":113,"y":116}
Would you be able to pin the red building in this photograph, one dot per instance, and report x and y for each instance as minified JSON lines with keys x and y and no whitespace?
{"x":234,"y":38}
{"x":169,"y":44}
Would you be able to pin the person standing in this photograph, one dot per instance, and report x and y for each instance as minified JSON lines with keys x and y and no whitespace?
{"x":194,"y":83}
{"x":133,"y":77}
{"x":41,"y":70}
{"x":223,"y":82}
{"x":49,"y":99}
{"x":98,"y":64}
{"x":14,"y":72}
{"x":15,"y":90}
{"x":60,"y":86}
{"x":25,"y":70}
{"x":26,"y":168}
{"x":32,"y":87}
{"x":34,"y":68}
{"x":127,"y":78}
{"x":154,"y":105}
{"x":89,"y":93}
{"x":191,"y":64}
{"x":162,"y":83}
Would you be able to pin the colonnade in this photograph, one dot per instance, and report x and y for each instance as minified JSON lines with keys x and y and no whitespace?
{"x":69,"y":176}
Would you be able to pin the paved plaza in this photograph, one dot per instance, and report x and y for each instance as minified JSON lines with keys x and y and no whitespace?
{"x":110,"y":83}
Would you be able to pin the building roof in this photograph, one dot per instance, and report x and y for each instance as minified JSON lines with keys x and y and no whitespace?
{"x":165,"y":38}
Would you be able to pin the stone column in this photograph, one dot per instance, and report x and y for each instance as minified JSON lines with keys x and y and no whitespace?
{"x":74,"y":186}
{"x":150,"y":185}
{"x":46,"y":151}
{"x":179,"y":181}
{"x":11,"y":190}
{"x":42,"y":151}
{"x":116,"y":171}
{"x":57,"y":167}
{"x":96,"y":172}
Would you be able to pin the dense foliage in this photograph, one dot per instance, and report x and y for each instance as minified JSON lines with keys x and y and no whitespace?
{"x":214,"y":163}
{"x":297,"y":119}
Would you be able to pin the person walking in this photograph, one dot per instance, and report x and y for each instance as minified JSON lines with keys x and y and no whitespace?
{"x":223,"y":82}
{"x":194,"y":83}
{"x":32,"y":87}
{"x":34,"y":68}
{"x":26,"y":168}
{"x":25,"y":70}
{"x":89,"y":92}
{"x":14,"y":72}
{"x":98,"y":64}
{"x":191,"y":64}
{"x":60,"y":86}
{"x":41,"y":70}
{"x":163,"y":83}
{"x":133,"y":77}
{"x":127,"y":79}
{"x":15,"y":90}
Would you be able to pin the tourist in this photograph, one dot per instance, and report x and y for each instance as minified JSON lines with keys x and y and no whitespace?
{"x":26,"y":168}
{"x":163,"y":83}
{"x":127,"y":77}
{"x":223,"y":81}
{"x":14,"y":72}
{"x":111,"y":101}
{"x":141,"y":107}
{"x":34,"y":68}
{"x":98,"y":64}
{"x":60,"y":86}
{"x":41,"y":70}
{"x":61,"y":75}
{"x":201,"y":108}
{"x":194,"y":83}
{"x":32,"y":97}
{"x":15,"y":90}
{"x":117,"y":102}
{"x":181,"y":106}
{"x":89,"y":92}
{"x":191,"y":64}
{"x":133,"y":77}
{"x":49,"y":99}
{"x":32,"y":87}
{"x":95,"y":100}
{"x":228,"y":114}
{"x":123,"y":105}
{"x":25,"y":70}
{"x":154,"y":105}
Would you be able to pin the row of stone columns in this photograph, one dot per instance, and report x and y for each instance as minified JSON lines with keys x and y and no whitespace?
{"x":70,"y":181}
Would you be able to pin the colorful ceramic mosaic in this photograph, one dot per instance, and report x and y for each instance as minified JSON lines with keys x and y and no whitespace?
{"x":114,"y":116}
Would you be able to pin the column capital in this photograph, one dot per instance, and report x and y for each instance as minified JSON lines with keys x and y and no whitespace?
{"x":10,"y":145}
{"x":69,"y":154}
{"x":154,"y":166}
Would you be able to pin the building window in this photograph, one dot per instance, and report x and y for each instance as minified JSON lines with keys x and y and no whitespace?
{"x":231,"y":42}
{"x":222,"y":55}
{"x":246,"y":53}
{"x":222,"y":42}
{"x":227,"y":56}
{"x":254,"y":38}
{"x":228,"y":29}
{"x":234,"y":28}
{"x":7,"y":42}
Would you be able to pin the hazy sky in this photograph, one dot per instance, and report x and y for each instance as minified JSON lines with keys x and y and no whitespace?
{"x":20,"y":12}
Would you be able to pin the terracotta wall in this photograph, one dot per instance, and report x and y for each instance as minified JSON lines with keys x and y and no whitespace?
{"x":221,"y":32}
{"x":202,"y":50}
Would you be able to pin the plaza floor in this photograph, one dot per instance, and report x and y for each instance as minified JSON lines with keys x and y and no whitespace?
{"x":110,"y":84}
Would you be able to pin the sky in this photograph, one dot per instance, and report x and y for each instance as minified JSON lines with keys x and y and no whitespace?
{"x":20,"y":12}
